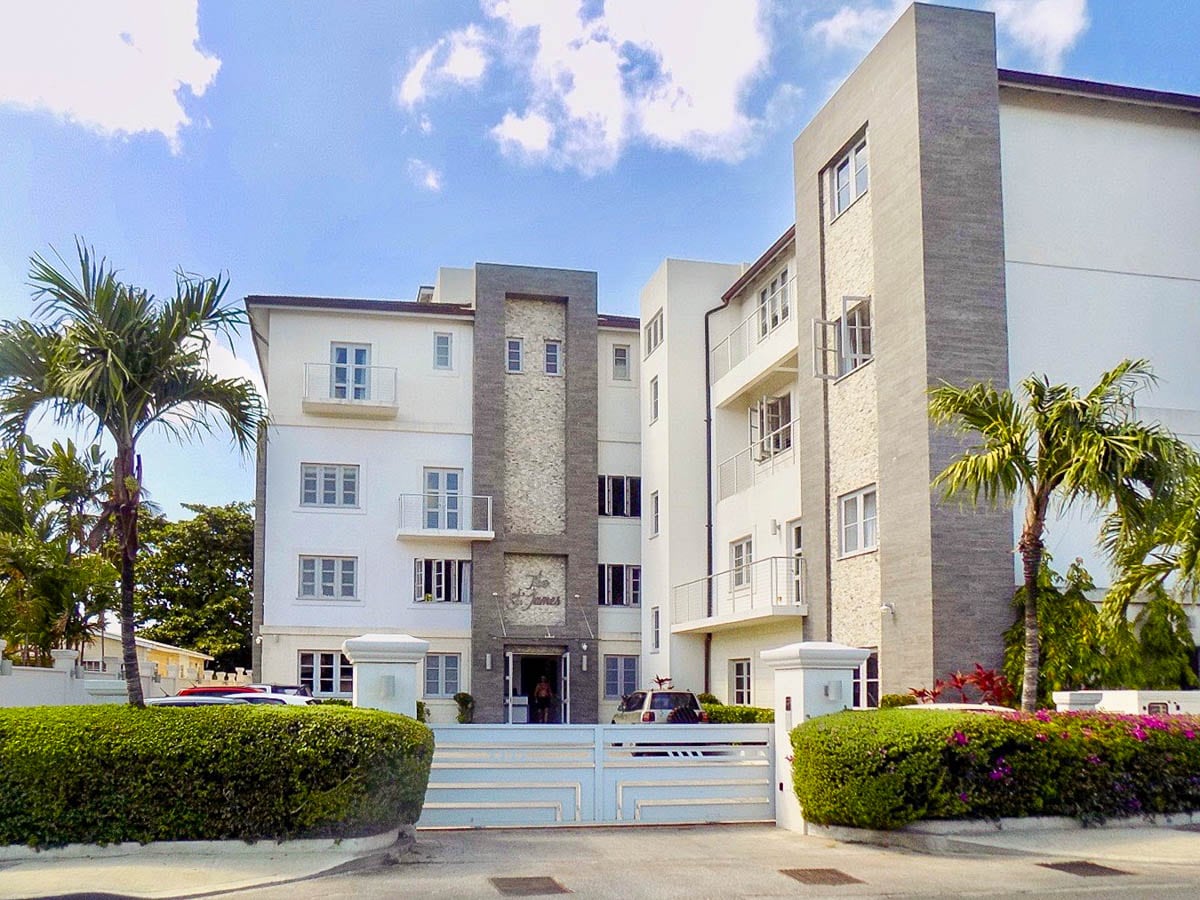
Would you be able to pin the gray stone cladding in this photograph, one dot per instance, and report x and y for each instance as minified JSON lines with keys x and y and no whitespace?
{"x":499,"y":289}
{"x":926,"y":97}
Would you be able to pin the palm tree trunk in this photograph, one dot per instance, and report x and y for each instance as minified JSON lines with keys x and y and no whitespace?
{"x":1031,"y":561}
{"x":127,"y":507}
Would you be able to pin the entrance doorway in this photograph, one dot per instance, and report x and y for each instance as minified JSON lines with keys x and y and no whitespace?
{"x":525,"y":671}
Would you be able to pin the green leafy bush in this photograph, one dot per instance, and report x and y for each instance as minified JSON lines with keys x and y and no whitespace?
{"x":105,"y":774}
{"x":738,"y":715}
{"x":891,"y":701}
{"x":887,"y":768}
{"x":466,"y":707}
{"x":706,"y":698}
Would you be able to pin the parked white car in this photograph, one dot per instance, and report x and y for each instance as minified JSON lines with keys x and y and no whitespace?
{"x":661,"y":707}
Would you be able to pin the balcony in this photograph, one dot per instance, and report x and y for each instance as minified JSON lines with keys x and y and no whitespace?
{"x":367,"y":392}
{"x":445,"y":516}
{"x":769,"y":588}
{"x":757,"y":462}
{"x":756,"y":347}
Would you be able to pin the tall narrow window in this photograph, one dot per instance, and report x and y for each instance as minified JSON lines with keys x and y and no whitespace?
{"x":859,"y":518}
{"x":654,"y":399}
{"x":739,"y":682}
{"x":654,"y":629}
{"x":349,"y":372}
{"x":773,"y":306}
{"x":653,"y":513}
{"x":443,"y":499}
{"x":443,"y":351}
{"x":741,"y":556}
{"x":855,"y":333}
{"x":621,"y":362}
{"x":849,"y":177}
{"x":654,"y":332}
{"x":553,"y":357}
{"x":866,"y":683}
{"x":514,"y":360}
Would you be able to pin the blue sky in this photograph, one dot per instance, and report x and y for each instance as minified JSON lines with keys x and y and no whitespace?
{"x":350,"y":149}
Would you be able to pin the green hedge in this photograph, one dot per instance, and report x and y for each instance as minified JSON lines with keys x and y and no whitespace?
{"x":738,"y":715}
{"x":105,"y":774}
{"x":883,"y":769}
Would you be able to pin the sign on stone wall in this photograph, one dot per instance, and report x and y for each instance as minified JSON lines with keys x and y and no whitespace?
{"x":535,"y":589}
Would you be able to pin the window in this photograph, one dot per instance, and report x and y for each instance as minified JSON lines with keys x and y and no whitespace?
{"x":322,"y":485}
{"x":653,"y":399}
{"x":860,"y":531}
{"x":654,"y":514}
{"x":620,"y":676}
{"x":619,"y":585}
{"x":741,"y":556}
{"x":442,"y":580}
{"x":328,"y":577}
{"x":443,"y":351}
{"x":739,"y":682}
{"x":654,"y":630}
{"x":620,"y":496}
{"x":654,"y":332}
{"x":773,"y":306}
{"x":441,"y":674}
{"x":843,"y":345}
{"x":326,"y":674}
{"x":849,"y":179}
{"x":621,"y":362}
{"x":553,"y":357}
{"x":770,"y":426}
{"x":349,"y":370}
{"x":866,"y":683}
{"x":443,"y":499}
{"x":514,"y":358}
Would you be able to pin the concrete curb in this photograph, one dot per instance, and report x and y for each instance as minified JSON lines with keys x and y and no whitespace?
{"x":359,"y":845}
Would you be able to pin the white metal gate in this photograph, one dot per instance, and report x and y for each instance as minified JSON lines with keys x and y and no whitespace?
{"x":506,"y":775}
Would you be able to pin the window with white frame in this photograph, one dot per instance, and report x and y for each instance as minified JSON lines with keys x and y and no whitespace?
{"x":326,"y":674}
{"x":443,"y":351}
{"x":514,"y":359}
{"x":441,"y":674}
{"x":654,"y":514}
{"x":620,"y":676}
{"x":442,"y":504}
{"x":849,"y":177}
{"x":620,"y":363}
{"x":773,"y":306}
{"x":442,"y":580}
{"x":328,"y":485}
{"x":328,"y":578}
{"x":859,"y":521}
{"x":350,"y":371}
{"x":654,"y":628}
{"x":866,"y":683}
{"x":739,"y":682}
{"x":620,"y":585}
{"x":553,"y":357}
{"x":654,"y":332}
{"x":619,"y":496}
{"x":771,"y":426}
{"x":842,"y":345}
{"x":653,"y":399}
{"x":741,"y":555}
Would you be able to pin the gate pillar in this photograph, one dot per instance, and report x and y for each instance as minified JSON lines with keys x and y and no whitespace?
{"x":812,"y":678}
{"x":385,"y":671}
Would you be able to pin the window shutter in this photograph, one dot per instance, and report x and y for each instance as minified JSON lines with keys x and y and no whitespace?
{"x":419,"y":579}
{"x":825,"y":349}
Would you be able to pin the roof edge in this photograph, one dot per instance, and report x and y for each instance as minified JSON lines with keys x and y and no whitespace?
{"x":761,"y":263}
{"x":1058,"y":84}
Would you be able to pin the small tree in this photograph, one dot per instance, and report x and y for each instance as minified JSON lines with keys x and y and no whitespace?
{"x":1054,"y":445}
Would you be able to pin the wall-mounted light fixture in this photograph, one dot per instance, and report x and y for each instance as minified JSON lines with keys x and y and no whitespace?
{"x":487,"y":661}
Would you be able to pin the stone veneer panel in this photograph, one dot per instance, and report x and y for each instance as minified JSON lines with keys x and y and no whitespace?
{"x":535,"y":403}
{"x":535,"y":589}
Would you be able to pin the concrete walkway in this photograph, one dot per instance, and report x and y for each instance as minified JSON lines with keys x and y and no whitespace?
{"x":652,"y":862}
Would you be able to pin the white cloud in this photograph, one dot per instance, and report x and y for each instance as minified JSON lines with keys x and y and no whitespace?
{"x":423,"y":175}
{"x":857,"y":27}
{"x":602,"y":74}
{"x":224,"y":363}
{"x":116,"y":67}
{"x":1045,"y":29}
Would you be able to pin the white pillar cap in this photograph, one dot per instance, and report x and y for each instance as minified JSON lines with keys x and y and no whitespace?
{"x":384,"y":648}
{"x":815,"y":655}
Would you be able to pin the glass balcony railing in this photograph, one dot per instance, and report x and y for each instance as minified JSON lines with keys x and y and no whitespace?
{"x":777,"y":309}
{"x":765,"y":587}
{"x":761,"y":459}
{"x":446,"y":515}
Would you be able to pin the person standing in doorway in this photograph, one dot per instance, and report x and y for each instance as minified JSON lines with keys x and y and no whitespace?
{"x":542,"y":695}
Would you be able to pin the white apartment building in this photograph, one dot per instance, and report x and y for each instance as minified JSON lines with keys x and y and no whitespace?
{"x":431,"y":468}
{"x":954,"y":222}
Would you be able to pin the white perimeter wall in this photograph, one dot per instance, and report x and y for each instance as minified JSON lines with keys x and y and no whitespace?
{"x":1102,"y":239}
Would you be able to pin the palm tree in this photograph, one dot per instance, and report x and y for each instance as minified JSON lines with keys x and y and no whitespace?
{"x":113,"y":356}
{"x":1054,"y":445}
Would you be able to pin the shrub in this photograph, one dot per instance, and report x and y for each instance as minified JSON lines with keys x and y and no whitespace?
{"x":422,"y":711}
{"x":333,"y":701}
{"x":105,"y":774}
{"x":891,"y":701}
{"x":738,"y":715}
{"x":466,"y":707}
{"x":706,"y":698}
{"x":888,"y":768}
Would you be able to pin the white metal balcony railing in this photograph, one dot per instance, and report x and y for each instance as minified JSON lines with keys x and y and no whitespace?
{"x":446,"y":515}
{"x":768,"y":315}
{"x":348,"y":384}
{"x":756,"y":462}
{"x":761,"y":587}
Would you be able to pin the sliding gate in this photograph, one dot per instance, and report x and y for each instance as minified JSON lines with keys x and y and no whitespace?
{"x":506,"y":775}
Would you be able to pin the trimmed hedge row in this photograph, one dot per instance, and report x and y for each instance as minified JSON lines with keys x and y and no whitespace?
{"x":105,"y":774}
{"x":883,"y":769}
{"x":738,"y":715}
